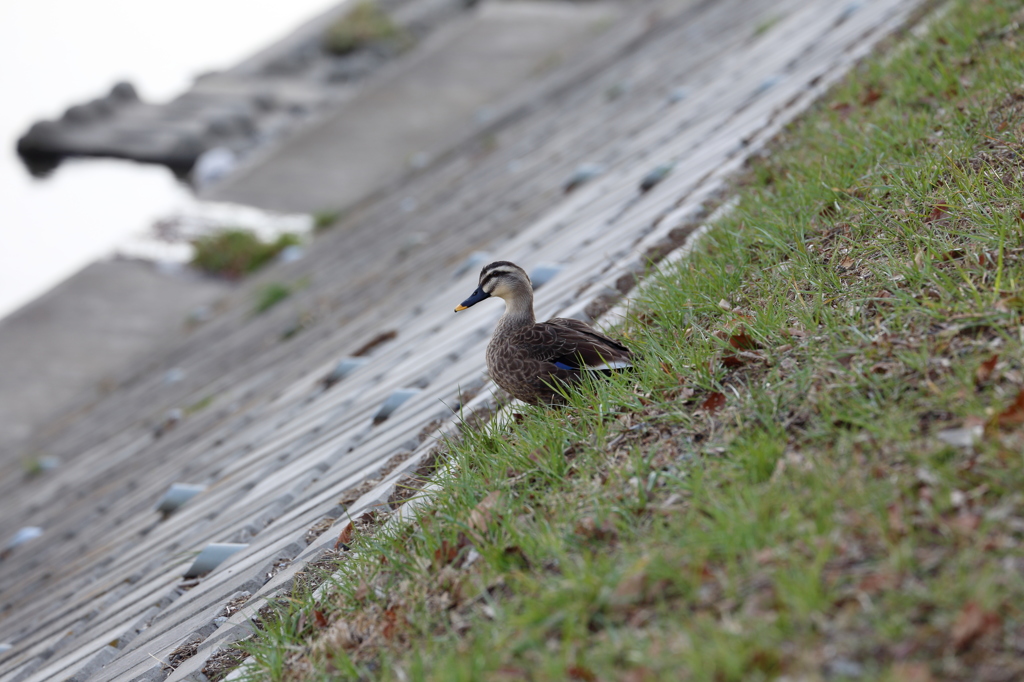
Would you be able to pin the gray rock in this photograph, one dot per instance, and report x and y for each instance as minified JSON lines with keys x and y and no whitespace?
{"x":81,"y":114}
{"x":843,"y":668}
{"x":543,"y":273}
{"x":475,"y":260}
{"x":290,"y":254}
{"x":26,"y":534}
{"x":49,"y":463}
{"x":200,"y":314}
{"x":176,"y":496}
{"x":393,"y":402}
{"x":42,"y":136}
{"x":655,"y":176}
{"x":124,"y":92}
{"x":174,"y":375}
{"x":583,"y":174}
{"x":344,"y":368}
{"x":768,"y":83}
{"x":212,"y":556}
{"x":678,"y":95}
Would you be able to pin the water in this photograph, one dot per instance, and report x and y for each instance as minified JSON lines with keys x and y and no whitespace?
{"x":54,"y":53}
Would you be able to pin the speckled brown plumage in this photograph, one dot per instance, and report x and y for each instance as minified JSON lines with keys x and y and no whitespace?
{"x":531,"y":360}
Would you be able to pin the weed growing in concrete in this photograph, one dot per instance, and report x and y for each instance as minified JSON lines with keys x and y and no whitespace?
{"x":270,"y":295}
{"x":199,"y":405}
{"x":364,"y":25}
{"x":235,"y":253}
{"x":324,"y":220}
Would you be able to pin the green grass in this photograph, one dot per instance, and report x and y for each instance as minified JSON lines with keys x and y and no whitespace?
{"x":236,"y":253}
{"x":199,"y":405}
{"x":324,"y":220}
{"x":364,"y":25}
{"x":35,"y":465}
{"x":270,"y":295}
{"x":791,"y":511}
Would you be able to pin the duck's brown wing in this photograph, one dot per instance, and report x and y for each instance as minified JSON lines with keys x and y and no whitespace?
{"x":585,"y":329}
{"x":574,"y":346}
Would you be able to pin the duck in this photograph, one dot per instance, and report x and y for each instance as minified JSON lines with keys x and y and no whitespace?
{"x":537,"y":362}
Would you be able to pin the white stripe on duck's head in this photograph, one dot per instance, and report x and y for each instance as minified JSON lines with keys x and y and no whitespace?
{"x":502,"y":279}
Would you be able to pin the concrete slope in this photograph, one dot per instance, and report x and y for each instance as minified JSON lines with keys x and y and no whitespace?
{"x":100,"y":595}
{"x":76,"y":341}
{"x":415,"y":112}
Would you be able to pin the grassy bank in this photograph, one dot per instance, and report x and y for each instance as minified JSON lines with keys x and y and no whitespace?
{"x":816,"y":471}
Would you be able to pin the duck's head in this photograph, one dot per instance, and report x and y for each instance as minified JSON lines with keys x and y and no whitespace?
{"x":502,"y":279}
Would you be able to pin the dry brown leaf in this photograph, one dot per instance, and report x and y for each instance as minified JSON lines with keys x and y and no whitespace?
{"x":345,"y":536}
{"x":588,"y":527}
{"x":938,"y":212}
{"x":1012,"y":415}
{"x":480,"y":516}
{"x":630,"y":589}
{"x":319,"y":618}
{"x":579,"y":672}
{"x":870,"y":96}
{"x":383,"y":337}
{"x":972,"y":623}
{"x":965,"y":523}
{"x":713,"y":403}
{"x":516,"y":554}
{"x":732,"y":361}
{"x":874,"y":583}
{"x":741,"y":340}
{"x":858,"y":192}
{"x":884,"y":367}
{"x":895,"y":514}
{"x":339,"y":636}
{"x":640,"y":674}
{"x":841,"y":108}
{"x":912,"y":672}
{"x":390,"y":623}
{"x":445,"y":554}
{"x":683,"y":393}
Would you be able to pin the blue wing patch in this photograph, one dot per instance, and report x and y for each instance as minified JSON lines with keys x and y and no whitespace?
{"x":562,"y":365}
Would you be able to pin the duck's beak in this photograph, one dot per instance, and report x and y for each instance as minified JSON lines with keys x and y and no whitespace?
{"x":477,"y":296}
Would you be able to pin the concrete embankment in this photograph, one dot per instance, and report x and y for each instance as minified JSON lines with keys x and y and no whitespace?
{"x":79,"y":341}
{"x":671,"y":97}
